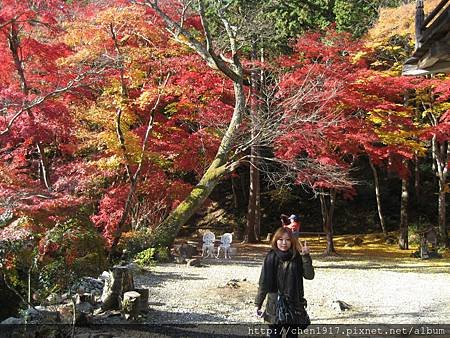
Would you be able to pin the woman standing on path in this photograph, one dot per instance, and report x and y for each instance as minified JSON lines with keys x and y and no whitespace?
{"x":283,"y":270}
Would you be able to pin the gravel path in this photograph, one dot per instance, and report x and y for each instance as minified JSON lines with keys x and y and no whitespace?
{"x":379,"y":291}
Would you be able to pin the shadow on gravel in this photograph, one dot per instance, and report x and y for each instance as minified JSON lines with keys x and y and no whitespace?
{"x":155,"y":316}
{"x":397,"y":268}
{"x":338,"y":318}
{"x":151,"y":278}
{"x":235,"y":261}
{"x":379,"y":316}
{"x":128,"y":330}
{"x":376,"y":317}
{"x":175,"y":324}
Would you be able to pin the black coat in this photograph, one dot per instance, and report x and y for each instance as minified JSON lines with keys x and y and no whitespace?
{"x":289,"y":280}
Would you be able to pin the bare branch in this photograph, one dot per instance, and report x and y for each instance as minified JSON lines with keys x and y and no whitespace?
{"x":185,"y":37}
{"x":40,"y":99}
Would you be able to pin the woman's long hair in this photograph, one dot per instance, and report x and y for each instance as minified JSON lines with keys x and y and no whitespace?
{"x":295,"y":245}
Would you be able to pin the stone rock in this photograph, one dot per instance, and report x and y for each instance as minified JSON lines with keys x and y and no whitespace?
{"x":120,"y":281}
{"x":340,"y":306}
{"x":233,"y":283}
{"x":180,"y":260}
{"x":143,"y":306}
{"x":66,"y":313}
{"x":104,"y":276}
{"x":12,"y":321}
{"x":358,"y":241}
{"x":390,"y":240}
{"x":88,"y":285}
{"x":41,"y":315}
{"x":131,"y":304}
{"x":54,"y":298}
{"x":187,"y":250}
{"x":95,"y":335}
{"x":133,"y":267}
{"x":85,"y":298}
{"x":98,"y":311}
{"x":194,"y":262}
{"x":112,"y":313}
{"x":83,"y":313}
{"x":84,"y":307}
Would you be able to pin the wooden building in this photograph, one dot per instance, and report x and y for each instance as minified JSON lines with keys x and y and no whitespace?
{"x":432,"y":52}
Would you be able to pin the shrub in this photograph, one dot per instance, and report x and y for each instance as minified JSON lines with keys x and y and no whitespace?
{"x":414,"y":230}
{"x":17,"y":252}
{"x":67,"y":251}
{"x":145,"y":257}
{"x":163,"y":255}
{"x":54,"y":276}
{"x":133,"y":242}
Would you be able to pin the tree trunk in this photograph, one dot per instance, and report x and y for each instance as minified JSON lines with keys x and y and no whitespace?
{"x":234,"y":190}
{"x":443,"y":234}
{"x":403,"y":236}
{"x":253,"y":213}
{"x":251,"y":210}
{"x":327,"y":207}
{"x":261,"y":85}
{"x":417,"y":191}
{"x":440,"y":152}
{"x":121,"y":139}
{"x":43,"y":165}
{"x":378,"y":197}
{"x":253,"y":199}
{"x":120,"y":281}
{"x":232,"y":68}
{"x":14,"y":45}
{"x":166,"y":232}
{"x":143,"y":307}
{"x":244,"y":188}
{"x":130,"y":305}
{"x":434,"y":161}
{"x":258,"y":208}
{"x":134,"y":179}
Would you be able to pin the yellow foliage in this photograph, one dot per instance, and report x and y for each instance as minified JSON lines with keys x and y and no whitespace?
{"x":109,"y":163}
{"x":358,"y":56}
{"x":108,"y":139}
{"x":398,"y":136}
{"x":438,"y":109}
{"x":146,"y":98}
{"x":397,"y":21}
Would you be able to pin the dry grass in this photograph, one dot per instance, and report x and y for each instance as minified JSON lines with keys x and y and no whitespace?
{"x":373,"y":245}
{"x":373,"y":248}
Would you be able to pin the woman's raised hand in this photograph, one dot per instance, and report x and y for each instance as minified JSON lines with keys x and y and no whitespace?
{"x":304,"y":247}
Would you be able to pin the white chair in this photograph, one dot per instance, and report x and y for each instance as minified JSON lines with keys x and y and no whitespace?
{"x":208,"y":244}
{"x":225,"y":244}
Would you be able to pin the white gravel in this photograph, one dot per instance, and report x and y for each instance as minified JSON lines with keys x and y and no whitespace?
{"x":379,"y":291}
